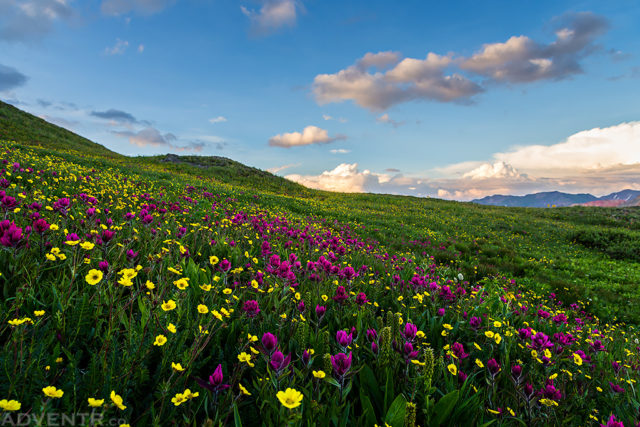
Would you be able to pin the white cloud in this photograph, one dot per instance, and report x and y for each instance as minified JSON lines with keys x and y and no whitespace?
{"x":277,"y":169}
{"x":218,"y":119}
{"x":27,"y":20}
{"x":309,"y":135}
{"x":339,"y":151}
{"x":410,"y":79}
{"x":521,"y":59}
{"x":345,"y":178}
{"x":378,"y":81}
{"x":273,"y":15}
{"x":597,"y":161}
{"x":584,"y":151}
{"x":386,"y":119}
{"x":118,"y":49}
{"x":339,"y":119}
{"x":140,"y":48}
{"x":142,"y":7}
{"x":496,"y":170}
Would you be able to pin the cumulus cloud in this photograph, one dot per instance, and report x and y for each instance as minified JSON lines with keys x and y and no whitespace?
{"x":378,"y":81}
{"x":28,"y":20}
{"x":520,"y":59}
{"x":273,"y":15}
{"x":142,"y":7}
{"x":117,"y":49}
{"x":152,"y":137}
{"x":371,"y":84}
{"x":597,"y":161}
{"x":386,"y":119}
{"x":10,"y":78}
{"x":310,"y":135}
{"x":495,"y":170}
{"x":218,"y":119}
{"x":345,"y":178}
{"x":588,"y":150}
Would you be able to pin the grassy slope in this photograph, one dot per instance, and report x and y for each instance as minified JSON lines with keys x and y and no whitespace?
{"x":16,"y":125}
{"x":535,"y":246}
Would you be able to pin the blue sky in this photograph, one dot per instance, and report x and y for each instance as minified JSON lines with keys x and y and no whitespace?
{"x":455,"y":99}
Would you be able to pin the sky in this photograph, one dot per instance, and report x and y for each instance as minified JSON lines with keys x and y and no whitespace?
{"x":456,"y":100}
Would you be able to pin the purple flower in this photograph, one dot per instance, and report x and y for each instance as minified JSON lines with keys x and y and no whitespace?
{"x":494,"y":367}
{"x":107,"y":235}
{"x":251,"y":308}
{"x":409,"y":352}
{"x":341,"y":364}
{"x":458,"y":351}
{"x":103,"y":266}
{"x":344,"y":339}
{"x":374,"y":347}
{"x":540,"y":342}
{"x":475,"y":322}
{"x":550,"y":391}
{"x":10,"y":234}
{"x":215,"y":381}
{"x":528,"y":391}
{"x":278,"y":361}
{"x":341,"y":295}
{"x":372,"y":335}
{"x":440,"y":312}
{"x":225,"y":265}
{"x":616,"y":388}
{"x":306,"y":356}
{"x":361,"y":299}
{"x":269,"y":342}
{"x":410,"y":331}
{"x":41,"y":226}
{"x":516,"y":372}
{"x":320,"y":311}
{"x":131,"y":255}
{"x":612,"y":422}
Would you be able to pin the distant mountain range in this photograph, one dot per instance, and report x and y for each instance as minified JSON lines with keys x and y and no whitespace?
{"x":558,"y":199}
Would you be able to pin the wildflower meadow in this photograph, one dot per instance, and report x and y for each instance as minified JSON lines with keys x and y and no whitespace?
{"x":171,"y":300}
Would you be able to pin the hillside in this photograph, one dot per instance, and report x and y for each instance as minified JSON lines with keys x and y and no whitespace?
{"x":155,"y":296}
{"x":577,"y":252}
{"x":201,"y":291}
{"x":20,"y":126}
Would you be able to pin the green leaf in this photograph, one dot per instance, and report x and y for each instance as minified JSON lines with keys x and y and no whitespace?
{"x":369,"y":383}
{"x":444,"y":407}
{"x":332,"y":381}
{"x":395,"y":414}
{"x":368,"y":413}
{"x":236,"y":416}
{"x":388,"y":391}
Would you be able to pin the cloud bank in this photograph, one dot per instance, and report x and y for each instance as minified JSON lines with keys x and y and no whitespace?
{"x":599,"y":160}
